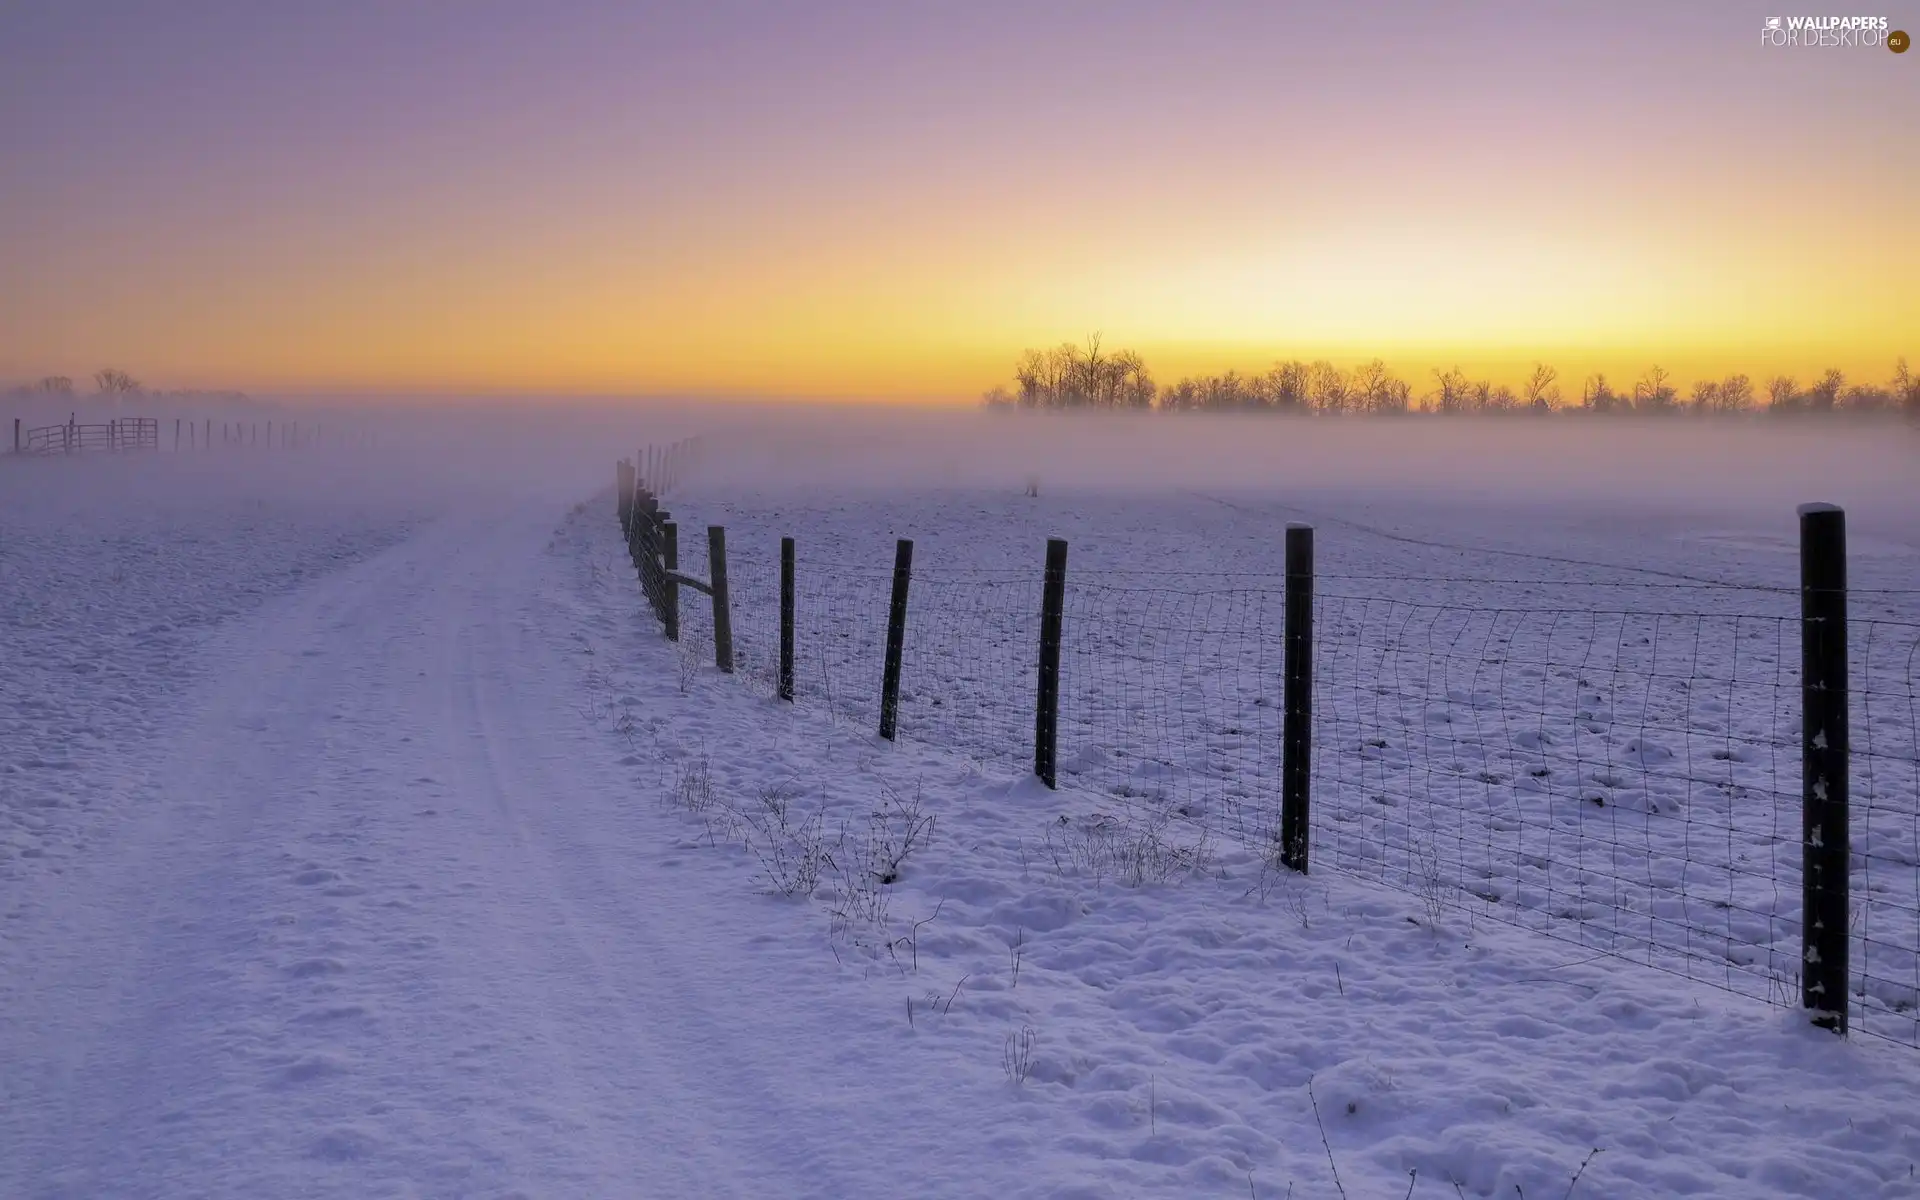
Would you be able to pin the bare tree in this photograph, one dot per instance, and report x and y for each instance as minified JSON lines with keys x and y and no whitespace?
{"x":1735,"y":394}
{"x":1654,"y":392}
{"x":55,"y":385}
{"x":1331,"y":391}
{"x":1132,"y":385}
{"x":1825,"y":395}
{"x":1539,"y":392}
{"x":1375,"y":389}
{"x":1706,"y":396}
{"x":1450,"y":396}
{"x":1597,"y":395}
{"x":1783,"y":393}
{"x":1288,"y":386}
{"x":115,"y":382}
{"x":1906,"y":387}
{"x":1867,"y":398}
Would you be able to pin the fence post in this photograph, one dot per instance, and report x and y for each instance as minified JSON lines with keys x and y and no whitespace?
{"x":623,"y":500}
{"x":722,"y":612}
{"x":1046,"y":712}
{"x":786,"y":618}
{"x":176,"y":435}
{"x":896,"y":639}
{"x":16,"y":435}
{"x":1825,"y":846}
{"x":644,"y":548}
{"x":653,"y":567}
{"x":669,"y":587}
{"x":1296,"y":735}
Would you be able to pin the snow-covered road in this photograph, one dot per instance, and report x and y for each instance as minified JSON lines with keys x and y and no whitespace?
{"x":379,"y":923}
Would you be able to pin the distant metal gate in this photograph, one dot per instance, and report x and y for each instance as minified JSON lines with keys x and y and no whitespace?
{"x":124,"y":434}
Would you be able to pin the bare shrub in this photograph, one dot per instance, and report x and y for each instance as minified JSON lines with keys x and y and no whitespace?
{"x":793,"y":849}
{"x":1016,"y":1058}
{"x":1136,"y":852}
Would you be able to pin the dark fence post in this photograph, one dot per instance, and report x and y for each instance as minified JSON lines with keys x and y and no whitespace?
{"x":722,"y":611}
{"x":896,"y":639}
{"x":669,"y":588}
{"x":176,"y":435}
{"x":1046,"y":713}
{"x":643,"y":544}
{"x":656,"y":520}
{"x":1825,"y":845}
{"x":16,"y":435}
{"x":623,"y":501}
{"x":1296,"y":734}
{"x":786,"y":618}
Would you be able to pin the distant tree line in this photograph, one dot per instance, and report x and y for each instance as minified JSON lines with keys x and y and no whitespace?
{"x":108,"y":382}
{"x":1075,"y":377}
{"x":112,"y":384}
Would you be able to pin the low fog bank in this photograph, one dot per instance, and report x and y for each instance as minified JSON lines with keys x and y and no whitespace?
{"x":1760,"y":467}
{"x":417,"y":456}
{"x":428,"y":454}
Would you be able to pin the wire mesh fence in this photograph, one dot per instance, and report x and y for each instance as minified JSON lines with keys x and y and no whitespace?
{"x":1618,"y":767}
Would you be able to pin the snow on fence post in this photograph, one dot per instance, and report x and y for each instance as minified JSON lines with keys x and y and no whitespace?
{"x":1046,"y":710}
{"x":786,"y":618}
{"x":722,"y":612}
{"x":1296,"y":735}
{"x":896,"y":639}
{"x":669,"y":586}
{"x":1824,"y":843}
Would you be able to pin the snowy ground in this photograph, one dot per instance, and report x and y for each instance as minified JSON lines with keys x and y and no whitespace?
{"x":433,"y":871}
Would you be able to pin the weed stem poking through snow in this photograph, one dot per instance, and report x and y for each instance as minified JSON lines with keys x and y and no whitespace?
{"x":1327,"y":1145}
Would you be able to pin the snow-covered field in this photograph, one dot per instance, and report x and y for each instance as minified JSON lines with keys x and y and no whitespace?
{"x":387,"y":849}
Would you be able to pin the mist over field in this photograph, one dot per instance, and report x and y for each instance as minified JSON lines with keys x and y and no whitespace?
{"x":1750,"y":472}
